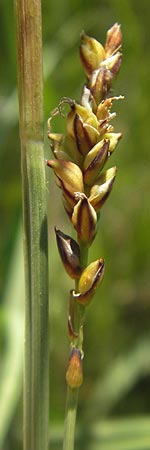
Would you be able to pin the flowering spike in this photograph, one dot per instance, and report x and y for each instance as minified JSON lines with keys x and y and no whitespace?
{"x":80,"y":156}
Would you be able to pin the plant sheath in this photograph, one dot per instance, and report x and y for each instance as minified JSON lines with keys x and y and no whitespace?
{"x":30,"y":87}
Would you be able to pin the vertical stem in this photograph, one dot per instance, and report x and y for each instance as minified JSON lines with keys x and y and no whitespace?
{"x":70,"y":419}
{"x":72,"y":394}
{"x":30,"y":87}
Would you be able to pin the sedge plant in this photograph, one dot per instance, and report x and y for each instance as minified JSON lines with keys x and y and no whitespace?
{"x":80,"y":155}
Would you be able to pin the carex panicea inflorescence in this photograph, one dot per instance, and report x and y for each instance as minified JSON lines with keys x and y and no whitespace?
{"x":80,"y":156}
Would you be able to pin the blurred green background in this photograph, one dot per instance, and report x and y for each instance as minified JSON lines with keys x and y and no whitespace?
{"x":116,"y":385}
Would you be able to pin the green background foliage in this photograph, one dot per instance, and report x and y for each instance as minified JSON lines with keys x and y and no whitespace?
{"x":117,"y":331}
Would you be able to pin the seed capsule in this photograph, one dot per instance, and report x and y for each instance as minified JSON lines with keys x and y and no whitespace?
{"x":114,"y":138}
{"x":82,"y":125}
{"x":74,"y":374}
{"x":112,"y":64}
{"x":56,"y":141}
{"x":91,"y":276}
{"x":86,"y":116}
{"x":88,"y":282}
{"x":57,"y":146}
{"x":84,"y":219}
{"x":70,"y":254}
{"x":94,"y":161}
{"x":86,"y":135}
{"x":64,"y":147}
{"x":113,"y":40}
{"x":101,"y":190}
{"x":69,"y":173}
{"x":100,"y":83}
{"x":91,"y":53}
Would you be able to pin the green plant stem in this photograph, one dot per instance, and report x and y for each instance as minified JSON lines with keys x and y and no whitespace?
{"x":70,"y":419}
{"x":30,"y":87}
{"x":72,"y":394}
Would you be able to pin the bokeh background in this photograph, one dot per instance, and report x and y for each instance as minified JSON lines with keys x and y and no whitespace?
{"x":117,"y":332}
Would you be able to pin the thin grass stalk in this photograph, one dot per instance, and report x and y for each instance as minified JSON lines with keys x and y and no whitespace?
{"x":30,"y":87}
{"x":70,"y":418}
{"x":73,"y":394}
